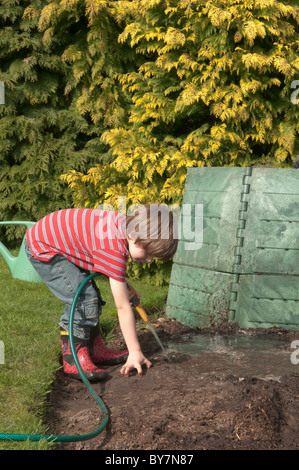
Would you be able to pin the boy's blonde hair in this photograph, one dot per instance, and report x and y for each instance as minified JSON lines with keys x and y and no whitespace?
{"x":153,"y":227}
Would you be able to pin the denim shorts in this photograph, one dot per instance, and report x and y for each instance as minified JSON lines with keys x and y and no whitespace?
{"x":63,"y":278}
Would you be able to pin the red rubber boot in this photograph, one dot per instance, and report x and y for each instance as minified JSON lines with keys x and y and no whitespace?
{"x":92,"y":373}
{"x":100,"y":354}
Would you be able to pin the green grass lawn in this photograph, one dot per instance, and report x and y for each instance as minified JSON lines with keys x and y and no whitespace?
{"x":29,"y":317}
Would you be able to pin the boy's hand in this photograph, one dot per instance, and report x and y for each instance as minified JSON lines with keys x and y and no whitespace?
{"x":135,"y":361}
{"x":128,"y":327}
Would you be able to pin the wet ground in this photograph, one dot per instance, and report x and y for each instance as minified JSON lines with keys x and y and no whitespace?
{"x":224,"y":388}
{"x":244,"y":354}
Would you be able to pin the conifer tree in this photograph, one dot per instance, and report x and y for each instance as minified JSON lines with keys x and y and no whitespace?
{"x":94,"y":54}
{"x":214,"y":88}
{"x":95,"y":58}
{"x":42,"y":133}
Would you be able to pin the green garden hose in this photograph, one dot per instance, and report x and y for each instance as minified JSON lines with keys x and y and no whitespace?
{"x":82,"y":437}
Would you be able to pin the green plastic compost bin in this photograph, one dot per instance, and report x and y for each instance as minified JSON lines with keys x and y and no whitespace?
{"x":246,"y":269}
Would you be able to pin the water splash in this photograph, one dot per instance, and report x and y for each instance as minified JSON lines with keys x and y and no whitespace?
{"x":261,"y":356}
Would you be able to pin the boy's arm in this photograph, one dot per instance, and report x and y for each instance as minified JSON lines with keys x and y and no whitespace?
{"x":128,"y":328}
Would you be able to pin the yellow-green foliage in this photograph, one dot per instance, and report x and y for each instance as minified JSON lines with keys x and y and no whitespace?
{"x":211,"y":86}
{"x":93,"y":53}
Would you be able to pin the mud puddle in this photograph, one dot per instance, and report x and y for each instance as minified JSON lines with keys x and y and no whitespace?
{"x":241,"y":355}
{"x":236,"y":391}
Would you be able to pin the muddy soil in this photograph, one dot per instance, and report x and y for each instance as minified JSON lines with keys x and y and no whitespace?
{"x":177,"y":406}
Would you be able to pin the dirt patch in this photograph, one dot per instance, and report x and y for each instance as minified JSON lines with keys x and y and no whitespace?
{"x":175,"y":406}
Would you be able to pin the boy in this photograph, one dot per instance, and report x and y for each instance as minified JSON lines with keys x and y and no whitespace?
{"x":66,"y":245}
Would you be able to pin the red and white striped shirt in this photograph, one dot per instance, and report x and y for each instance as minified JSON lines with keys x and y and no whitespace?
{"x":92,"y":239}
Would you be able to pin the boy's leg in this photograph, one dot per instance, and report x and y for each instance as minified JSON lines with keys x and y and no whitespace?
{"x":63,"y":279}
{"x":100,"y":354}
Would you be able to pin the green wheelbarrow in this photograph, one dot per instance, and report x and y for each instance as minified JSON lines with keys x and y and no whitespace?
{"x":20,"y":266}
